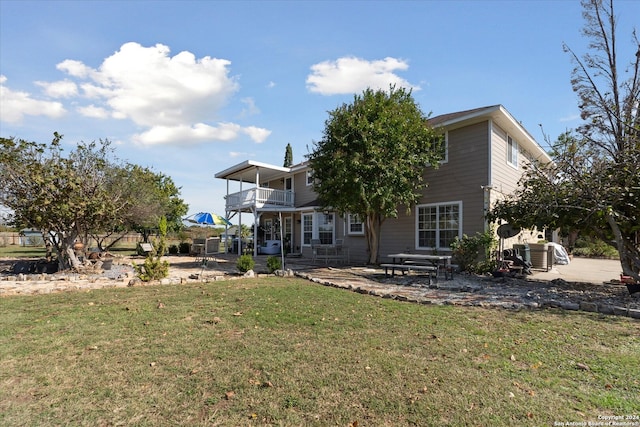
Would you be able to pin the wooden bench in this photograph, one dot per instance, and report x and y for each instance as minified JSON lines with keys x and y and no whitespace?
{"x":432,"y":271}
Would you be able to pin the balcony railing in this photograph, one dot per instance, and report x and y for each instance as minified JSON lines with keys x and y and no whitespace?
{"x":260,"y":197}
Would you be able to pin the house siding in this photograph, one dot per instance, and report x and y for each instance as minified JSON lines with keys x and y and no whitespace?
{"x":304,"y":192}
{"x":504,"y":175}
{"x":460,"y":179}
{"x":475,"y":175}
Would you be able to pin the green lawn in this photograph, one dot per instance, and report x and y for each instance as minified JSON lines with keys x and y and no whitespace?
{"x":286,"y":352}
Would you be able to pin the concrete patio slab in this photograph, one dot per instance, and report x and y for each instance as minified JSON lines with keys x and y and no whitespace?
{"x":586,"y":270}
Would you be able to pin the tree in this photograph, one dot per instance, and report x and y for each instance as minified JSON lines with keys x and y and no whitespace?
{"x":141,"y":198}
{"x":69,"y":198}
{"x":58,"y":195}
{"x":156,"y":196}
{"x":288,"y":156}
{"x":593,"y":183}
{"x":372,"y":158}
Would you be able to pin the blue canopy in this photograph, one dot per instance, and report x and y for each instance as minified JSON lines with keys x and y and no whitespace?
{"x":208,"y":218}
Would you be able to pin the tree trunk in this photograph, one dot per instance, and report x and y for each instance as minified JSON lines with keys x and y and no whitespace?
{"x":628,"y":251}
{"x":67,"y":257}
{"x":372,"y":233}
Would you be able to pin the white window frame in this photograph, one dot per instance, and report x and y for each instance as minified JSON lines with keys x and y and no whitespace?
{"x":446,"y":148}
{"x":437,"y":239}
{"x":353,"y":219}
{"x":268,"y":229}
{"x":304,"y":231}
{"x":512,"y":152}
{"x":309,"y":177}
{"x":317,"y":221}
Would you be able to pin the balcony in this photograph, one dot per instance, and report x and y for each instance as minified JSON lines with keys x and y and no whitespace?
{"x":259,"y":198}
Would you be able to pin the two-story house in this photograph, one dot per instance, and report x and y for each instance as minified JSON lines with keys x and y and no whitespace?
{"x":486,"y":149}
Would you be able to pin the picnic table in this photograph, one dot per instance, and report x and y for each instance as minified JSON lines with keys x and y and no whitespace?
{"x":431,"y":263}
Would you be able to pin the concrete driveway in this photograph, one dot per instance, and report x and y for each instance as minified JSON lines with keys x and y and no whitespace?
{"x":587,"y":270}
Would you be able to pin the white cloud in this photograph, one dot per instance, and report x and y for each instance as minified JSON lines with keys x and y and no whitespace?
{"x":16,"y":104}
{"x":271,"y":85}
{"x":251,"y":109}
{"x":173,"y":98}
{"x":74,"y":68}
{"x":199,"y":132}
{"x":60,"y":89}
{"x":349,"y":75}
{"x":256,"y":134}
{"x":93,"y":111}
{"x":147,"y":86}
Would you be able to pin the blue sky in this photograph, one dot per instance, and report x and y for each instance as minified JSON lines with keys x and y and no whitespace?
{"x":190,"y":88}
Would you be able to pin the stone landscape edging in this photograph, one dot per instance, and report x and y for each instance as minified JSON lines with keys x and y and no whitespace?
{"x":586,"y":306}
{"x":80,"y":283}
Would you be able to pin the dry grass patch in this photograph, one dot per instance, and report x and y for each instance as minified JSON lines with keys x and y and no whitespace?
{"x":289,"y":352}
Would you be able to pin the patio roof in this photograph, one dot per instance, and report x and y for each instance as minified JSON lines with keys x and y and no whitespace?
{"x":249,"y":169}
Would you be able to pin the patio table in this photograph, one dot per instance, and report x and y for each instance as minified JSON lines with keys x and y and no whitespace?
{"x":441,"y":262}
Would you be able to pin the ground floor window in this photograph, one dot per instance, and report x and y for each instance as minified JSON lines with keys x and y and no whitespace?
{"x":354,"y":224}
{"x":438,"y":225}
{"x":307,"y":229}
{"x":325,"y":228}
{"x":319,"y":226}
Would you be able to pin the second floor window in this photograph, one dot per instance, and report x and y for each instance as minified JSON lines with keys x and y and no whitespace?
{"x":309,"y":177}
{"x":512,"y":152}
{"x":442,"y":151}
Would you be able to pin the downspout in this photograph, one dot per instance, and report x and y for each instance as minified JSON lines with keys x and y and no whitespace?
{"x":256,"y":217}
{"x":487,"y":188}
{"x":240,"y":223}
{"x":226,"y":224}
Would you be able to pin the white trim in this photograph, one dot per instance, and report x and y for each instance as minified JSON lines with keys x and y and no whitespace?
{"x":303,"y":231}
{"x":348,"y":226}
{"x":513,"y":151}
{"x":437,"y":230}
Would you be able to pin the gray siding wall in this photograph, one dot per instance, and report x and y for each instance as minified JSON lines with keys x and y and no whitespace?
{"x":459,"y":179}
{"x":504,"y":175}
{"x":304,"y":192}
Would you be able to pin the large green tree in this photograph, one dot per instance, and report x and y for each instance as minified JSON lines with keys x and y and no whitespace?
{"x":593,"y":184}
{"x":84,"y":193}
{"x":372,"y":156}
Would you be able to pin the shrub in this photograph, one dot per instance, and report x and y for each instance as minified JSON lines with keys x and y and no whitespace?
{"x":153,"y":267}
{"x":273,"y":264}
{"x":595,"y":248}
{"x":474,"y":254}
{"x":184,"y":248}
{"x":245,"y":263}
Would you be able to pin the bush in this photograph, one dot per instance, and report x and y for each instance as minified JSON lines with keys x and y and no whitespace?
{"x":173,"y":249}
{"x":245,"y":263}
{"x":153,"y":267}
{"x":184,"y":248}
{"x":474,"y":254}
{"x":273,"y":264}
{"x":594,"y":248}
